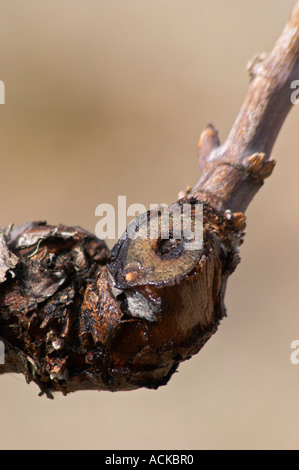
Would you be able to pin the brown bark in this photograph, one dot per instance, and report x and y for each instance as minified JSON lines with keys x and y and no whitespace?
{"x":74,"y":316}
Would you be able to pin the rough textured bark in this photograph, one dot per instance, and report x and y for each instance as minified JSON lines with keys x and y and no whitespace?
{"x":74,"y":316}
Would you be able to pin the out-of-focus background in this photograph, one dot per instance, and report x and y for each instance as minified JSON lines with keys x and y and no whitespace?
{"x":107,"y":98}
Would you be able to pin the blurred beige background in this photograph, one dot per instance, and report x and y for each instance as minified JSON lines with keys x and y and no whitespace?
{"x":108,"y":98}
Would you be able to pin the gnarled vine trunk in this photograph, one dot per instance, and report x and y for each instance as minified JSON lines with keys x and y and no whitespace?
{"x":74,"y":316}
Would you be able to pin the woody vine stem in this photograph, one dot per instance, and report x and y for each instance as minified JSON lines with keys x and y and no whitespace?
{"x":74,"y":316}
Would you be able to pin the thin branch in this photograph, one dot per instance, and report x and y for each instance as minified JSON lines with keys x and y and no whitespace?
{"x":231,"y":171}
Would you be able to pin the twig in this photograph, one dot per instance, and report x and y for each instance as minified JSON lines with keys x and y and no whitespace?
{"x":235,"y":170}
